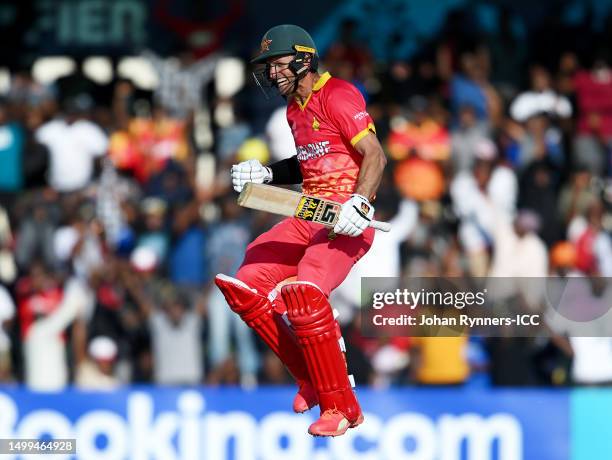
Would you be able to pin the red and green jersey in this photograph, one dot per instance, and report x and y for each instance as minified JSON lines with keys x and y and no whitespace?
{"x":326,"y":128}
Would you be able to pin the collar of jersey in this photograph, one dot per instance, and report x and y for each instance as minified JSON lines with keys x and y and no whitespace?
{"x":317,"y":86}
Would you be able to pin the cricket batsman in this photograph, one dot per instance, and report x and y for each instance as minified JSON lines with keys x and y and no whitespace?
{"x":339,"y":158}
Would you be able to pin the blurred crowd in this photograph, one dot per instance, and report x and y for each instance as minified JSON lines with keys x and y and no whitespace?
{"x":116,"y":209}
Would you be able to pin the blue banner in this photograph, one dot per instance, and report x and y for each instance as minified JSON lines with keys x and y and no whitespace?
{"x":144,"y":423}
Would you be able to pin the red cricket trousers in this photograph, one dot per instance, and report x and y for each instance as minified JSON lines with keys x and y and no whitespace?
{"x":302,"y":249}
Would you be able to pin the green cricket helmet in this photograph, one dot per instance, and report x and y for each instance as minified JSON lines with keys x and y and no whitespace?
{"x":285,"y":40}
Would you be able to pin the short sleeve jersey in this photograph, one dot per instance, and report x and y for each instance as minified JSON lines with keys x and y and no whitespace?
{"x":325,"y":129}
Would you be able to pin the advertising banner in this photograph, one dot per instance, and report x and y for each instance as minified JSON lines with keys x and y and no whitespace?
{"x":143,"y":423}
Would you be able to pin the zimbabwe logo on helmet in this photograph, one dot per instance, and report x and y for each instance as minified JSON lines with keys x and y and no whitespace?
{"x":265,"y":45}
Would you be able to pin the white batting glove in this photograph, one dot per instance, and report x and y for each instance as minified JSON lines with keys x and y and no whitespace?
{"x":355,"y":216}
{"x":249,"y":171}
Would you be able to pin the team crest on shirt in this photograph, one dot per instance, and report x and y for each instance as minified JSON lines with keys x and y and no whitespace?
{"x":315,"y":124}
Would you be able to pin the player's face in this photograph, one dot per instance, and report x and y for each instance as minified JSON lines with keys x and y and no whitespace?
{"x":280,"y":73}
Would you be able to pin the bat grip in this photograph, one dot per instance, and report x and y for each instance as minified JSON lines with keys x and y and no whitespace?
{"x":382,"y":226}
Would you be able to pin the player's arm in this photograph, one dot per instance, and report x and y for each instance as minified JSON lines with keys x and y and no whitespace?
{"x":372,"y":166}
{"x":284,"y":172}
{"x":348,"y":111}
{"x":357,"y":213}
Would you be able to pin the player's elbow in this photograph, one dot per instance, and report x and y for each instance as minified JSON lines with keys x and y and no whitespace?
{"x":371,"y":149}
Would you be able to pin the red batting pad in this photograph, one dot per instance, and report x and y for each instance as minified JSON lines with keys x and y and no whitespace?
{"x":312,"y":319}
{"x":257,"y":312}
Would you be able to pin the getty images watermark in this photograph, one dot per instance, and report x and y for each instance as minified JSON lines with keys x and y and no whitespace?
{"x":458,"y":300}
{"x":494,"y":307}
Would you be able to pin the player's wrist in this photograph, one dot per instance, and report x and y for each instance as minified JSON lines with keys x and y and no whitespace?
{"x":360,"y":196}
{"x":362,"y":206}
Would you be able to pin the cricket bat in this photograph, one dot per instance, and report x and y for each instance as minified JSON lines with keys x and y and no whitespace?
{"x":289,"y":203}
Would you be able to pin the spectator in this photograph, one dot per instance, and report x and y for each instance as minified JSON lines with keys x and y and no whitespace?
{"x":225,"y":248}
{"x":24,"y":161}
{"x":583,"y":314}
{"x":26,"y":91}
{"x":592,"y":358}
{"x":175,"y":331}
{"x":171,"y":184}
{"x":538,"y":190}
{"x":465,"y":138}
{"x":540,"y":99}
{"x":537,"y":141}
{"x":593,"y":244}
{"x":517,"y":249}
{"x":8,"y":268}
{"x":577,"y":195}
{"x":187,"y":263}
{"x":7,"y":312}
{"x":46,"y":309}
{"x":80,"y":244}
{"x":389,"y":361}
{"x":181,"y":84}
{"x":35,"y":235}
{"x":471,"y":87}
{"x":110,"y":192}
{"x":440,"y":360}
{"x":422,"y":135}
{"x":147,"y":142}
{"x":489,"y":189}
{"x":154,"y":234}
{"x":74,"y":145}
{"x":97,"y":372}
{"x":407,"y":79}
{"x":12,"y":139}
{"x":594,"y":98}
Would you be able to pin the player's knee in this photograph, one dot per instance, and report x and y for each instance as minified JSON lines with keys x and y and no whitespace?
{"x":242,"y":299}
{"x":306,"y":303}
{"x":254,"y":276}
{"x":318,"y":275}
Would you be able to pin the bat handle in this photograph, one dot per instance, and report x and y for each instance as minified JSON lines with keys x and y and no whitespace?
{"x":382,"y":226}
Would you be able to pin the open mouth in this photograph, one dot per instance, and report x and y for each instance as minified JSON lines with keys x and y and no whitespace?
{"x":283,"y":84}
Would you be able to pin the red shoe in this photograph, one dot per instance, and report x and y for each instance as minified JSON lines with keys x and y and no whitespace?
{"x":333,"y":423}
{"x":305,"y":399}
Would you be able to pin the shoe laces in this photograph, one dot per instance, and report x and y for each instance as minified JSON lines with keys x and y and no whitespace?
{"x":329,"y":413}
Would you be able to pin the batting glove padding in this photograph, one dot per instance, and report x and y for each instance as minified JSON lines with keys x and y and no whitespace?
{"x":249,"y":171}
{"x":355,"y":216}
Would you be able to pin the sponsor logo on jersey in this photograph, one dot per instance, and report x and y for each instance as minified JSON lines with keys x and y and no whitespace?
{"x":312,"y":150}
{"x":360,"y":115}
{"x":315,"y":124}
